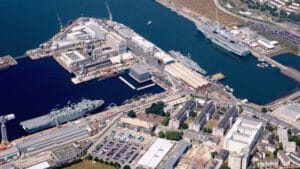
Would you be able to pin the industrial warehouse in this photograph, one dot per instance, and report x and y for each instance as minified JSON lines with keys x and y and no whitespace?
{"x":196,"y":81}
{"x":156,"y":153}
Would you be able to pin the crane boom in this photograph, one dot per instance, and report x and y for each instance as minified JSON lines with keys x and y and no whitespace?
{"x":108,"y":10}
{"x":59,"y":21}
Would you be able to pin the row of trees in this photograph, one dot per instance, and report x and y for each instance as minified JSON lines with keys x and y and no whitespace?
{"x":170,"y":135}
{"x":156,"y":108}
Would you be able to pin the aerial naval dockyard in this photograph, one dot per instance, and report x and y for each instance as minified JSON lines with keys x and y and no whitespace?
{"x":95,"y":49}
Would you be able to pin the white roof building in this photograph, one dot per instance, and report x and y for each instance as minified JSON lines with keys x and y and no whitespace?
{"x":72,"y":58}
{"x":164,"y":57}
{"x":42,"y":165}
{"x":143,"y":43}
{"x":193,"y":79}
{"x":156,"y":153}
{"x":243,"y":135}
{"x":289,"y":113}
{"x":122,"y":57}
{"x":266,"y":44}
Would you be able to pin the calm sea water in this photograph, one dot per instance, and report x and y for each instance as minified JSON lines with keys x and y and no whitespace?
{"x":34,"y":87}
{"x":289,"y":60}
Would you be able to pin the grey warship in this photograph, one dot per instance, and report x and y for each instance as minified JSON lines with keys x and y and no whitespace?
{"x":59,"y":116}
{"x":218,"y":34}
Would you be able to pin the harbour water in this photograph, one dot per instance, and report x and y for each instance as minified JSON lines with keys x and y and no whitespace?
{"x":289,"y":60}
{"x":34,"y":87}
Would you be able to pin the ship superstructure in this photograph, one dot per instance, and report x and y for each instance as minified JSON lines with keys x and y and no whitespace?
{"x":221,"y":36}
{"x":187,"y":61}
{"x":59,"y":116}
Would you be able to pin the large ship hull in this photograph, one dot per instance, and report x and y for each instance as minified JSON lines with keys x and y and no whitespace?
{"x":47,"y":121}
{"x":235,"y":48}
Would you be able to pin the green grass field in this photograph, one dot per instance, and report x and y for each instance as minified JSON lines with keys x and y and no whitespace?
{"x":86,"y":164}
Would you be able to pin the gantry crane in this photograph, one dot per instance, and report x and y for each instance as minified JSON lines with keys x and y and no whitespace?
{"x":3,"y":120}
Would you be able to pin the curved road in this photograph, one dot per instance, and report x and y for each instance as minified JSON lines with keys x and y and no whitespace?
{"x":225,"y":10}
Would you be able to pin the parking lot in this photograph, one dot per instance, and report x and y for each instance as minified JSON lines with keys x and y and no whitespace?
{"x":123,"y":146}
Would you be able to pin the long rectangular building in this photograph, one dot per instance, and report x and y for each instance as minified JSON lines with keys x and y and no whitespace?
{"x":49,"y":141}
{"x":203,"y":116}
{"x":226,"y":121}
{"x":191,"y":78}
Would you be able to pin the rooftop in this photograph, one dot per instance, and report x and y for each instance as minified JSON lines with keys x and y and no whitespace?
{"x":243,"y":134}
{"x":192,"y":78}
{"x":138,"y":68}
{"x":156,"y":153}
{"x":290,"y":112}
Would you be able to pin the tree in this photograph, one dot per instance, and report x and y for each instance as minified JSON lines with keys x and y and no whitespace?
{"x":165,"y":122}
{"x":192,"y":113}
{"x":183,"y":126}
{"x":207,"y":130}
{"x":264,"y":110}
{"x":224,"y":166}
{"x":131,"y":114}
{"x":126,"y":167}
{"x":294,"y":17}
{"x":117,"y":165}
{"x":156,"y":108}
{"x":213,"y":154}
{"x":173,"y":135}
{"x":161,"y":134}
{"x":270,"y":128}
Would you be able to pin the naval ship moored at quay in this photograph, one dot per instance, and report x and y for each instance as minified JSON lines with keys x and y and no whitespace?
{"x":218,"y":34}
{"x":59,"y":116}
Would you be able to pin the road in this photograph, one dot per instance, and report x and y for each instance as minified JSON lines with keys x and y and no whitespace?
{"x":269,"y":118}
{"x":219,"y":6}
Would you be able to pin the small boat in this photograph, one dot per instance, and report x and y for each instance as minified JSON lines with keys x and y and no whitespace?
{"x":149,"y":22}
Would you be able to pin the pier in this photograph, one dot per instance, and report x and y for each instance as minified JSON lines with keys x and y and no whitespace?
{"x":145,"y":87}
{"x":126,"y":82}
{"x":287,"y":71}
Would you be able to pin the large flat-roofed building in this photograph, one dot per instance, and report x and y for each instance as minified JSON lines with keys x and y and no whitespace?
{"x":237,"y":161}
{"x":49,"y":141}
{"x":164,"y":57}
{"x":65,"y":154}
{"x":284,"y":160}
{"x":95,"y":31}
{"x":203,"y":116}
{"x":143,"y":43}
{"x":181,"y":148}
{"x":282,"y":135}
{"x":136,"y":124}
{"x":191,"y":78}
{"x":139,"y":73}
{"x":42,"y":165}
{"x":73,"y":58}
{"x":226,"y":121}
{"x":116,"y":41}
{"x":289,"y":113}
{"x":154,"y":155}
{"x":8,"y":154}
{"x":243,"y":135}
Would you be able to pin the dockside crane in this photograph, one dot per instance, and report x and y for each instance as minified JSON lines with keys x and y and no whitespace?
{"x":60,"y":23}
{"x":3,"y":120}
{"x":109,"y":12}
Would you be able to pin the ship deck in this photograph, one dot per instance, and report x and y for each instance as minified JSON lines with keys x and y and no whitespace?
{"x":36,"y":122}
